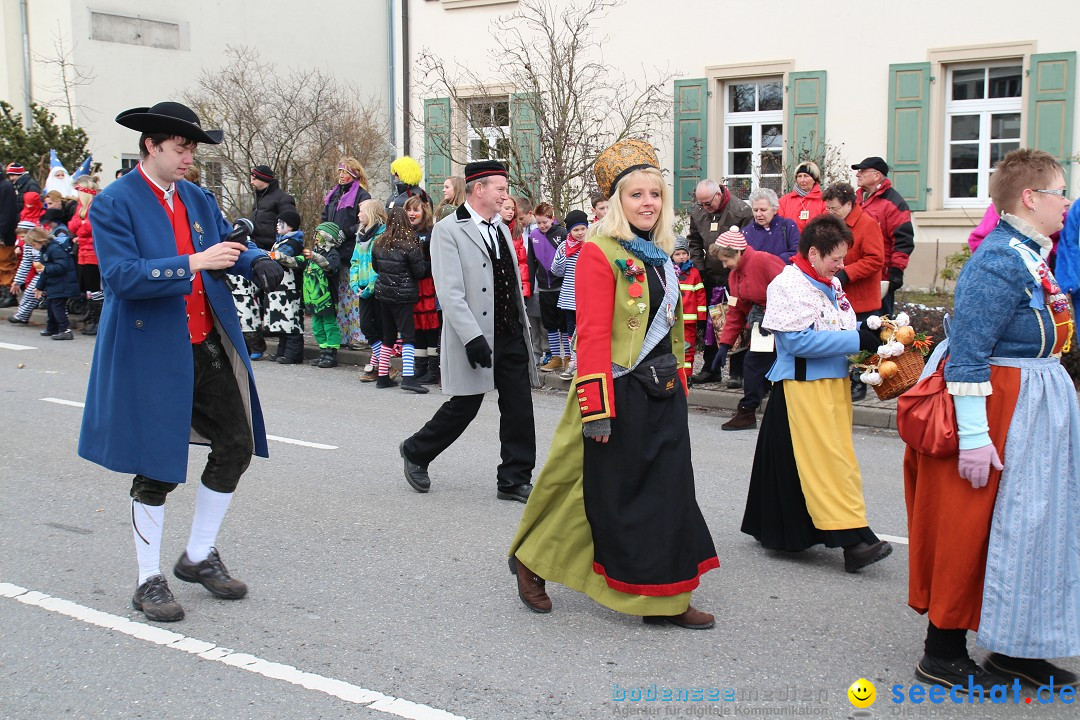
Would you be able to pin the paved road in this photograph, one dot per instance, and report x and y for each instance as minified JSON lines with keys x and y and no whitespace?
{"x":384,"y":603}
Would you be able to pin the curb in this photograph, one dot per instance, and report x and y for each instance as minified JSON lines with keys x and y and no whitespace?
{"x":701,"y":397}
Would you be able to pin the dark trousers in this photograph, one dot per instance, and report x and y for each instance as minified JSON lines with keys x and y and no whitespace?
{"x":290,"y":346}
{"x":57,"y":321}
{"x":517,"y":434}
{"x":371,"y":320}
{"x":755,"y":365}
{"x":888,"y":303}
{"x":396,"y":318}
{"x":218,"y":414}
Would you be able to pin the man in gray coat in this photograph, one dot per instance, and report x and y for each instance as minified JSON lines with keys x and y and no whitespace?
{"x":485,"y":336}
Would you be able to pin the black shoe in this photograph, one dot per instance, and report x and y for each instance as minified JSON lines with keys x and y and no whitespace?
{"x":16,"y":321}
{"x":706,"y":377}
{"x":385,"y":381}
{"x":154,"y":599}
{"x":47,"y":333}
{"x":734,"y":383}
{"x":65,"y":335}
{"x":415,"y":475}
{"x":330,"y":359}
{"x":515,"y":492}
{"x":955,"y":672}
{"x":212,"y":575}
{"x":315,"y":361}
{"x":858,"y":556}
{"x":413,"y":385}
{"x":89,"y":328}
{"x":1031,"y":670}
{"x":858,"y":391}
{"x":285,"y":360}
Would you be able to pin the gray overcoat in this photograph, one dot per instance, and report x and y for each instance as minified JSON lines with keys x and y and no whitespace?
{"x":465,"y":287}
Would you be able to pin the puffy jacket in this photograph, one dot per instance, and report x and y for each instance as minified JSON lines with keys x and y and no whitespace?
{"x":891,"y":211}
{"x":862,"y":264}
{"x":793,"y":205}
{"x":58,"y":279}
{"x":780,"y":237}
{"x":361,"y":273}
{"x":399,"y":267}
{"x":542,"y":247}
{"x":269,"y":203}
{"x":84,"y":238}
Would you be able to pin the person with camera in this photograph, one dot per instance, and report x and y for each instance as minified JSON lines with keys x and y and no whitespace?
{"x":170,"y":366}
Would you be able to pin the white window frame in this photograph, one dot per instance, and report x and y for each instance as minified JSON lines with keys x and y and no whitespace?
{"x":492,"y":133}
{"x":985,"y":108}
{"x":756,"y":119}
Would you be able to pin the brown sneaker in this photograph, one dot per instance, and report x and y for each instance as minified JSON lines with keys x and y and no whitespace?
{"x":555,"y":363}
{"x":154,"y":599}
{"x":212,"y":575}
{"x":691,"y":619}
{"x":531,"y":587}
{"x":744,"y":419}
{"x":370,"y":375}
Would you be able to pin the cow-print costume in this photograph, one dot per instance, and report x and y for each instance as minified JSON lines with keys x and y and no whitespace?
{"x":283,"y":313}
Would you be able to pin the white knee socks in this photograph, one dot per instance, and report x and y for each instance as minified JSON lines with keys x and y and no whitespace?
{"x":147,"y":523}
{"x":210,"y":507}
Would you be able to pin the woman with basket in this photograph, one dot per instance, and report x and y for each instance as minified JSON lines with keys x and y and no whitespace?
{"x":995,"y":523}
{"x":805,"y":486}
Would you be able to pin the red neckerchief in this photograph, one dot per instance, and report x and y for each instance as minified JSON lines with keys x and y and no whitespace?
{"x":572,"y":245}
{"x":804,"y":264}
{"x":725,"y":198}
{"x":200,"y":320}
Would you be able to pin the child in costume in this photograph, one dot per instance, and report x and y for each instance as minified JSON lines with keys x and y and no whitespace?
{"x":321,"y":267}
{"x":565,"y":265}
{"x":26,"y":276}
{"x":284,"y":315}
{"x":695,"y":309}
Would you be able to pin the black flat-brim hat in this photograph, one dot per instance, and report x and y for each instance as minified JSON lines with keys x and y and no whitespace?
{"x":172,"y":118}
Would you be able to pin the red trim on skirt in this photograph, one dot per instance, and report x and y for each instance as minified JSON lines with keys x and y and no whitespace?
{"x":425,"y":315}
{"x":665,"y":590}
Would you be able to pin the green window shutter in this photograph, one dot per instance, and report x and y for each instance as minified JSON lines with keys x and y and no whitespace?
{"x":436,"y":144}
{"x":524,"y":146}
{"x":691,"y":137}
{"x":909,"y":131}
{"x":1050,"y":105}
{"x":806,"y":117}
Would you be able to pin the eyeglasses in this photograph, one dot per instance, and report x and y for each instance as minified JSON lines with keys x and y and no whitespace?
{"x":1059,"y":193}
{"x":709,"y":201}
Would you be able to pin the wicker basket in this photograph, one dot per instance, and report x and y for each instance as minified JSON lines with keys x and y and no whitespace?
{"x":910,"y":365}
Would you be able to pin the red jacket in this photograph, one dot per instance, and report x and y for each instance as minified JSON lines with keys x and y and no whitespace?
{"x":694,"y":303}
{"x":748,"y":283}
{"x":84,"y":237}
{"x":793,"y":205}
{"x":522,"y":251}
{"x":891,"y":212}
{"x":864,"y":261}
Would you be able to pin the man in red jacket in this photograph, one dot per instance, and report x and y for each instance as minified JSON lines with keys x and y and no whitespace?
{"x":882,"y":202}
{"x":750,"y":272}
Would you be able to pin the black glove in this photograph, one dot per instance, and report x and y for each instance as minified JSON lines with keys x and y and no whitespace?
{"x":869,"y":340}
{"x":896,"y":279}
{"x":721,"y":357}
{"x":266,"y":273}
{"x":478,"y":352}
{"x":842,"y":277}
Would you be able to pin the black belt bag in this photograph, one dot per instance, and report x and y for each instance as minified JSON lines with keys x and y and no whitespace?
{"x":658,"y":376}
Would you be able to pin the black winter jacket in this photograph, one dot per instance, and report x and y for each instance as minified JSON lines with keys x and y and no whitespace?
{"x":24,"y":184}
{"x":399,"y":268}
{"x":269,"y":203}
{"x":9,"y":212}
{"x":58,"y":279}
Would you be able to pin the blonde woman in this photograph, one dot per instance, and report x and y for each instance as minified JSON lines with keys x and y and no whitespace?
{"x":614,"y":513}
{"x":340,"y":206}
{"x":87,"y":261}
{"x":453,"y":194}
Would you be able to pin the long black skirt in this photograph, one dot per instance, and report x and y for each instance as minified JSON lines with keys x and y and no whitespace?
{"x":776,"y":513}
{"x":649,"y":535}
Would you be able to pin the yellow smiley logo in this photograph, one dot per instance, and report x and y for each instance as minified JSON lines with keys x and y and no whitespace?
{"x":862,"y":693}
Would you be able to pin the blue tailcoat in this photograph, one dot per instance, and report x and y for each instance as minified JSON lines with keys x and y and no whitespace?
{"x":138,"y":404}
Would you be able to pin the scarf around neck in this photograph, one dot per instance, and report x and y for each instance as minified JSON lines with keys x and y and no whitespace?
{"x":348,"y":195}
{"x":801,"y":192}
{"x":643,"y":248}
{"x":804,"y":264}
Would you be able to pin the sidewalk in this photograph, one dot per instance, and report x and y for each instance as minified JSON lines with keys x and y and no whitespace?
{"x":871,"y":412}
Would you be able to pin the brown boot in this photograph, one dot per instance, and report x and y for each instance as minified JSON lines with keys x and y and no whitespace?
{"x":530,"y":587}
{"x":745,"y":419}
{"x":691,"y":619}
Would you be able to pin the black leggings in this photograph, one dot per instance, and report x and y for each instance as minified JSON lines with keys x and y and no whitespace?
{"x":397,"y":319}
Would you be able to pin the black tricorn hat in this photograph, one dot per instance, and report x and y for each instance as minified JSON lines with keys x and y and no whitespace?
{"x":169,"y":117}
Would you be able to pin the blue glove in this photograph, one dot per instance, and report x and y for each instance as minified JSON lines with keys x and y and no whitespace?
{"x":721,"y":357}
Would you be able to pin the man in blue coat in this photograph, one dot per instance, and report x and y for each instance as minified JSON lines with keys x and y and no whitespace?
{"x":170,"y":366}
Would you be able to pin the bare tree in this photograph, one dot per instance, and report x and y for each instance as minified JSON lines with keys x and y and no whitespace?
{"x":553,"y":76}
{"x":68,"y":76}
{"x":299,"y":122}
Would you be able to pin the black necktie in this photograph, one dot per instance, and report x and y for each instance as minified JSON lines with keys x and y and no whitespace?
{"x":493,"y":242}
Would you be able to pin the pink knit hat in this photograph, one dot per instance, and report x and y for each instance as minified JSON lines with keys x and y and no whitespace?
{"x":732,"y":239}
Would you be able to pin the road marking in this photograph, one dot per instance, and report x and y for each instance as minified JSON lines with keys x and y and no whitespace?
{"x":348,"y":692}
{"x":290,"y":441}
{"x":58,"y":401}
{"x":893,"y":539}
{"x":305,"y":443}
{"x":13,"y":346}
